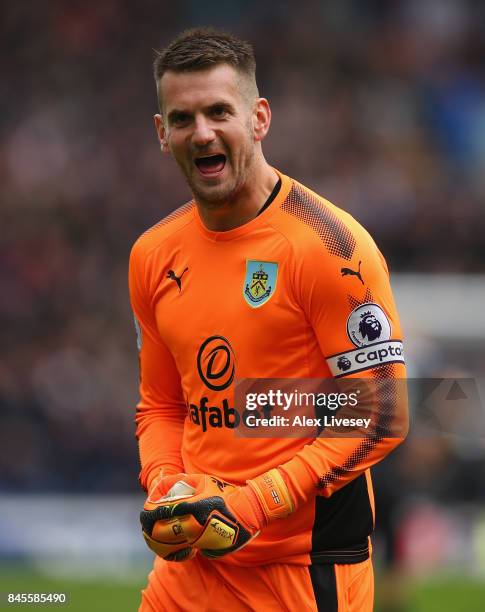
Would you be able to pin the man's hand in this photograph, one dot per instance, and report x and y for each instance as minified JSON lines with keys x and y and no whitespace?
{"x":196,"y":511}
{"x":169,"y":489}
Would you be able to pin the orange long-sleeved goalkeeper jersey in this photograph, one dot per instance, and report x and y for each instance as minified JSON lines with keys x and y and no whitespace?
{"x":300,"y":291}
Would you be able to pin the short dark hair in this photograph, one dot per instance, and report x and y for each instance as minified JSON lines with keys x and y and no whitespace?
{"x":202,"y":48}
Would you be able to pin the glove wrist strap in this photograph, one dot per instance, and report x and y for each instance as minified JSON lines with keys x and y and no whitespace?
{"x":273,"y":495}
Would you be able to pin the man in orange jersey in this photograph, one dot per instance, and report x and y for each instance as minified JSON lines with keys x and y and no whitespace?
{"x":256,"y":277}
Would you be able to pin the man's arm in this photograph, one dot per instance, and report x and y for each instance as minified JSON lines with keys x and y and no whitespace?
{"x":161,"y":410}
{"x":336,"y":305}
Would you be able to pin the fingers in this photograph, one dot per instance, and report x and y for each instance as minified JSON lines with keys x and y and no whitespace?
{"x":182,"y":555}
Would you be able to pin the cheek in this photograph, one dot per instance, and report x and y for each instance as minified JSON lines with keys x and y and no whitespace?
{"x":178,"y":150}
{"x":242,"y":143}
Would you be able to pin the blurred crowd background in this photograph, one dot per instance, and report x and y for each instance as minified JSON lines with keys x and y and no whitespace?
{"x":377,"y":105}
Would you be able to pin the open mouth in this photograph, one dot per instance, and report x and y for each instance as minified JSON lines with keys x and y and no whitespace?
{"x":211,"y":164}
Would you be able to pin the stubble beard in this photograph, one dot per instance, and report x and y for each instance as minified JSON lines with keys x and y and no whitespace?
{"x":213,"y":197}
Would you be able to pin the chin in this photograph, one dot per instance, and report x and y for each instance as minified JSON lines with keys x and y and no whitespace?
{"x":213,"y":199}
{"x":213,"y":195}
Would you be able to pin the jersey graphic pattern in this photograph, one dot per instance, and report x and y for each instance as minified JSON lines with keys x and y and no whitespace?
{"x":334,"y":234}
{"x":355,"y":303}
{"x":176,"y":214}
{"x":386,"y":414}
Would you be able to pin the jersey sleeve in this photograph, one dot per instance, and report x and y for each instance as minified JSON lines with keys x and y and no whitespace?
{"x":161,"y":411}
{"x":353,"y":315}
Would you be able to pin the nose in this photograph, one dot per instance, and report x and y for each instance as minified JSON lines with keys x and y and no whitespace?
{"x":203,"y":132}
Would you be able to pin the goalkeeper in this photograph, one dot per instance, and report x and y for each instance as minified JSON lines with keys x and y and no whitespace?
{"x":256,"y":277}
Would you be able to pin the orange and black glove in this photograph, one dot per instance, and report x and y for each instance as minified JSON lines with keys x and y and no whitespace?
{"x":185,"y":513}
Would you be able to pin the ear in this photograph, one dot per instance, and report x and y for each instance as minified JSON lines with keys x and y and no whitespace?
{"x":261,"y":119}
{"x":159,"y":126}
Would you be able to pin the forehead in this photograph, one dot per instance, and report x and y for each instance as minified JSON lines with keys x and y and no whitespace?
{"x":190,"y":90}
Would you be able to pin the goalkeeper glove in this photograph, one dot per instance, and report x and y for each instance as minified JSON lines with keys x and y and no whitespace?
{"x":169,"y":488}
{"x":214,"y":516}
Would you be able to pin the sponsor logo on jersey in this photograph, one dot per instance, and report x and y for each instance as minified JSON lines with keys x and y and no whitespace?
{"x":259,"y":282}
{"x":139,"y":337}
{"x":368,"y":324}
{"x":366,"y":358}
{"x":215,"y":363}
{"x":350,"y":272}
{"x":220,"y":484}
{"x":178,"y":279}
{"x":344,"y":363}
{"x":205,"y":416}
{"x":216,"y":368}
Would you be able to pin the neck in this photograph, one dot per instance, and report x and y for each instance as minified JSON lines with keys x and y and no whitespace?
{"x":245,"y":204}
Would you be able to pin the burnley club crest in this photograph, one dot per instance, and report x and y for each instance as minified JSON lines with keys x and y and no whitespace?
{"x":260,"y":282}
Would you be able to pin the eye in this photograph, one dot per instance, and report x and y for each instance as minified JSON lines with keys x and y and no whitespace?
{"x":219,"y":111}
{"x":179,"y":119}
